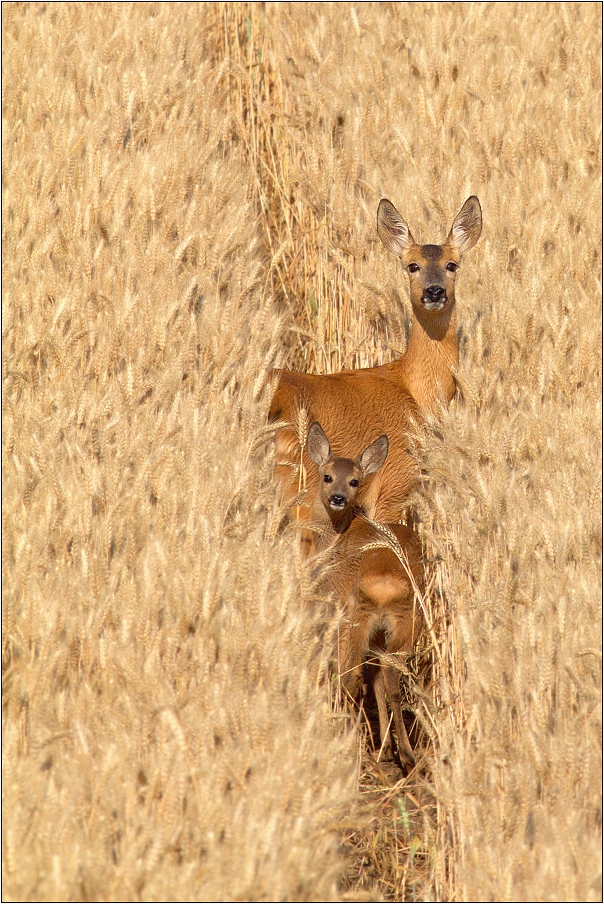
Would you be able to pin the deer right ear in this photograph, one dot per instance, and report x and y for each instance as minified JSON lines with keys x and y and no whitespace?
{"x":392,"y":229}
{"x":317,"y":445}
{"x":374,"y":456}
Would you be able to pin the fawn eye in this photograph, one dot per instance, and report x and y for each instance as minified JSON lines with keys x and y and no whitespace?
{"x":354,"y":482}
{"x":327,"y":478}
{"x":413,"y":268}
{"x":451,"y":267}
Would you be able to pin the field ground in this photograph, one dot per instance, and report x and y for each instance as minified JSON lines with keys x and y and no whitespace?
{"x":188,"y":199}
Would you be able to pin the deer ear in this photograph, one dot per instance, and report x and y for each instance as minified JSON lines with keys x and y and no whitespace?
{"x":374,"y":456}
{"x":317,"y":445}
{"x":466,"y":227}
{"x":392,"y":229}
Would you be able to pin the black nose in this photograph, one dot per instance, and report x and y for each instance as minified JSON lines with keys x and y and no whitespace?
{"x":434,"y":293}
{"x":337,"y":500}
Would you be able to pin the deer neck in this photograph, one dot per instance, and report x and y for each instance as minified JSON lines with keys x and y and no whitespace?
{"x":341,"y":523}
{"x":431,"y":358}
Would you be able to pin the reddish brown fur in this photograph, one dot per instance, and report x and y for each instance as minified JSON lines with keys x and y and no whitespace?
{"x":357,"y":405}
{"x":340,"y":479}
{"x":377,"y":588}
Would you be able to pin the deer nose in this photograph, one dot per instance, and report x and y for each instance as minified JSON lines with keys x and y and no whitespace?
{"x":337,"y":500}
{"x":433,"y":293}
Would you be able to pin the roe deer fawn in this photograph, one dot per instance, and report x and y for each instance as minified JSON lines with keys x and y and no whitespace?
{"x":377,"y":589}
{"x":356,"y":405}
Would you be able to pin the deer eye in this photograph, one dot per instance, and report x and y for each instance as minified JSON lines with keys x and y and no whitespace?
{"x":451,"y":267}
{"x":413,"y":268}
{"x":327,"y":478}
{"x":354,"y":482}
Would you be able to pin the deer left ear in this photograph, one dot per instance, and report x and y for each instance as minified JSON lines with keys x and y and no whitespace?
{"x":374,"y":456}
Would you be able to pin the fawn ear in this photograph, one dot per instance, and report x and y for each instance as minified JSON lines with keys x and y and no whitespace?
{"x":392,"y":229}
{"x":317,"y":445}
{"x":374,"y":456}
{"x":466,"y":227}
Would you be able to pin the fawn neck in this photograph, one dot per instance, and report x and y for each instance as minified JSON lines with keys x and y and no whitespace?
{"x":332,"y":524}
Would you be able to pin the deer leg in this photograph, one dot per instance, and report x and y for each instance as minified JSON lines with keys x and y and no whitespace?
{"x":353,"y":650}
{"x":393,"y":690}
{"x":400,"y":640}
{"x":380,"y":696}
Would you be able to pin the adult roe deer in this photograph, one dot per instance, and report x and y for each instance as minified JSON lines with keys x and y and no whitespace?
{"x":356,"y":405}
{"x":376,"y":588}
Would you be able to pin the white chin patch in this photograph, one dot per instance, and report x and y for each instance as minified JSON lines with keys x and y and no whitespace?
{"x":434,"y":305}
{"x":336,"y":506}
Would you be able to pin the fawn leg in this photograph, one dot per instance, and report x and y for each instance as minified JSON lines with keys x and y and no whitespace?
{"x":393,"y":689}
{"x":353,"y":657}
{"x":380,"y":696}
{"x":399,"y":641}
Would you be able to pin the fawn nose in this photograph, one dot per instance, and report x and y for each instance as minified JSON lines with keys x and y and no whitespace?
{"x":434,"y":293}
{"x":337,"y":500}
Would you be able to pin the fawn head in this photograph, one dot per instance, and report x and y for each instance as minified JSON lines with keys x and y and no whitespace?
{"x":340,"y":478}
{"x":431,"y":268}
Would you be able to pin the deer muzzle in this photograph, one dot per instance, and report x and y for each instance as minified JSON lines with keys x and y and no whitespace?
{"x":434,"y":298}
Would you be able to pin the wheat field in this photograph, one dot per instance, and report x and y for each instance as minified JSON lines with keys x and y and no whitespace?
{"x":188,"y":200}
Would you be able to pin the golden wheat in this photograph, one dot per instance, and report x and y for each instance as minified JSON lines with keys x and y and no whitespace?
{"x":189,"y":198}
